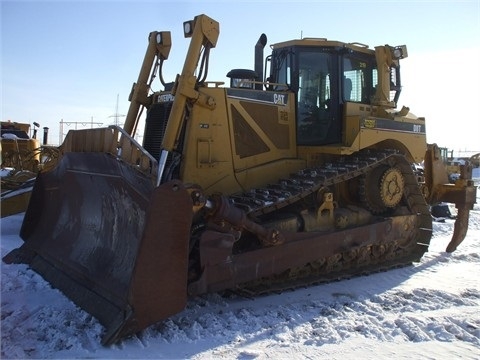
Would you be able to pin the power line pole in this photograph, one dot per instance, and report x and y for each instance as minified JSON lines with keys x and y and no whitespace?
{"x":116,"y":115}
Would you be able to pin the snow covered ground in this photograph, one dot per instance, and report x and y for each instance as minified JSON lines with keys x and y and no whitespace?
{"x":430,"y":310}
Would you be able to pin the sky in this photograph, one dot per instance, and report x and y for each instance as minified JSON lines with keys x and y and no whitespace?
{"x":69,"y":61}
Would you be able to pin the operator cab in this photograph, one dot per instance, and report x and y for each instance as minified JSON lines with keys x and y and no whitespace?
{"x":324,"y":75}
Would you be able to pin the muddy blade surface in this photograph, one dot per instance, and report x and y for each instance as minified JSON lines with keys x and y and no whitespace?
{"x":99,"y":231}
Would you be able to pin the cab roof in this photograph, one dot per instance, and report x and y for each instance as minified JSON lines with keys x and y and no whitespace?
{"x":323,"y":42}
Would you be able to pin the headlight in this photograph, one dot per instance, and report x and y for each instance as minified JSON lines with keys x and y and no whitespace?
{"x":400,"y":52}
{"x":188,"y":28}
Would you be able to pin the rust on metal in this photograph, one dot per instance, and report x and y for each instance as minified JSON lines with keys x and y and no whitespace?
{"x":222,"y":270}
{"x":115,"y":245}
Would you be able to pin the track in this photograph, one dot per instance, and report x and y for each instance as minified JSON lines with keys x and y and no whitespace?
{"x":361,"y":261}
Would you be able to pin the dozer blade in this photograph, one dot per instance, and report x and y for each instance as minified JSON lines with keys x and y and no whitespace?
{"x":117,"y":246}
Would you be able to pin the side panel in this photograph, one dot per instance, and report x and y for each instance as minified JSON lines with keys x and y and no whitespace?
{"x":263,"y":133}
{"x":367,"y":125}
{"x":408,"y":136}
{"x":207,"y":152}
{"x":248,"y":140}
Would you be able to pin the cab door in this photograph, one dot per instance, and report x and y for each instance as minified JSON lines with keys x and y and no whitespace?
{"x":319,"y":120}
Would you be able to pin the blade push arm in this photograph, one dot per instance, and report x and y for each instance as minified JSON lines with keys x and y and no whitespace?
{"x":203,"y":32}
{"x":159,"y":44}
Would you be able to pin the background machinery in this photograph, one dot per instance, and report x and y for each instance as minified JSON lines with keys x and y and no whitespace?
{"x":303,"y":177}
{"x":22,"y":157}
{"x":19,"y":150}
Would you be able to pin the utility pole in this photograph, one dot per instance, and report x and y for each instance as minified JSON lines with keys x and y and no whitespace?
{"x":116,"y":115}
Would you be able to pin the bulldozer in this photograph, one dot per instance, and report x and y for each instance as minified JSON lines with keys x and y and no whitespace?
{"x":19,"y":162}
{"x":18,"y":149}
{"x":21,"y":158}
{"x":298,"y":172}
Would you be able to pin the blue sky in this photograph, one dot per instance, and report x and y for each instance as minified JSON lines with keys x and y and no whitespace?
{"x":69,"y":59}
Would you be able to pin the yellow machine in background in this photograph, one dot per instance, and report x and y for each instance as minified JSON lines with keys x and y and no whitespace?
{"x":296,"y":177}
{"x":18,"y":147}
{"x":454,"y":165}
{"x":22,"y":157}
{"x":19,"y":162}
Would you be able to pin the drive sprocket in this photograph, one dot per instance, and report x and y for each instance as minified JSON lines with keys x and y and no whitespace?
{"x":392,"y":185}
{"x":382,"y":188}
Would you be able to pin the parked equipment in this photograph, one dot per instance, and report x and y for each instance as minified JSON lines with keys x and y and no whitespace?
{"x":303,"y":177}
{"x":22,"y":157}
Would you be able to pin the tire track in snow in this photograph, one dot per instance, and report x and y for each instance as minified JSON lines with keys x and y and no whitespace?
{"x":419,"y":315}
{"x":416,"y":315}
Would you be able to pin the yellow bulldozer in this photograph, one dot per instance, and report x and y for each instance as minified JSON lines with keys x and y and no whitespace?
{"x":22,"y":157}
{"x":298,"y":172}
{"x":18,"y":148}
{"x":20,"y":160}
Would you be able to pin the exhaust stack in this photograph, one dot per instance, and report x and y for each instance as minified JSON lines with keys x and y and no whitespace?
{"x":262,"y":41}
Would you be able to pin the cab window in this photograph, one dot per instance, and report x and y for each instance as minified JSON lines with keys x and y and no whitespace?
{"x":359,"y":79}
{"x":316,"y":97}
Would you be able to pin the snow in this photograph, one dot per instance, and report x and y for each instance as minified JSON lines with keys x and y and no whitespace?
{"x":430,"y":310}
{"x":10,"y":136}
{"x":6,"y":171}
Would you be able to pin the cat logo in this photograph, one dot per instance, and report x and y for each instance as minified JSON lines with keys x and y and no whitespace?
{"x":369,"y":123}
{"x":279,"y":99}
